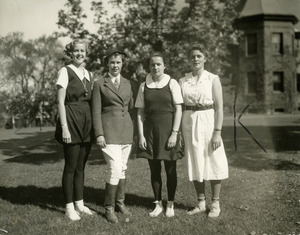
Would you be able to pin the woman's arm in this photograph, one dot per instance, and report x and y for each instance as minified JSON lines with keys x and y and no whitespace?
{"x":61,"y":95}
{"x":140,"y":124}
{"x":176,"y":124}
{"x":218,"y":103}
{"x":97,"y":116}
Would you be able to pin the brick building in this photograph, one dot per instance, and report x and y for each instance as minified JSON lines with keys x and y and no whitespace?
{"x":269,"y":55}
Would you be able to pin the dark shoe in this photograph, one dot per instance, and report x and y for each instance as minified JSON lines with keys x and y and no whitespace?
{"x":110,"y":215}
{"x":121,"y":198}
{"x":109,"y":203}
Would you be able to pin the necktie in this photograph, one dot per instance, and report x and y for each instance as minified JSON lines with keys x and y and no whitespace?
{"x":117,"y":84}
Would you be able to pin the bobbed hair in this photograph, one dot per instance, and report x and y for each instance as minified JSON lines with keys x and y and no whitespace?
{"x":69,"y":48}
{"x":157,"y":54}
{"x":198,"y":47}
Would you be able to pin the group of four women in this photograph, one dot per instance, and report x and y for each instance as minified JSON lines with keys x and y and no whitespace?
{"x":169,"y":116}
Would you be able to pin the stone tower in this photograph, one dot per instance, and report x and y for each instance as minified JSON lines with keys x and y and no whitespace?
{"x":267,"y":61}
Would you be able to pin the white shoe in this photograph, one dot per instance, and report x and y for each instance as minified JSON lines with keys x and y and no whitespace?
{"x":158,"y":209}
{"x":73,"y":216}
{"x":201,"y":207}
{"x":85,"y":210}
{"x":71,"y":213}
{"x":170,"y":209}
{"x":214,"y":210}
{"x":79,"y":206}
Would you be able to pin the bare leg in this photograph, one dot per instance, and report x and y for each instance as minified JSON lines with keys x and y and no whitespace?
{"x":200,"y":191}
{"x":215,"y":205}
{"x":215,"y":188}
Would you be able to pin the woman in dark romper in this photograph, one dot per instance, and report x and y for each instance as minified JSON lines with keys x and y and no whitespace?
{"x":74,"y":126}
{"x":159,"y":115}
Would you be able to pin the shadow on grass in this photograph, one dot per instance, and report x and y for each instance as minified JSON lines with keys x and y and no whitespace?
{"x":13,"y":146}
{"x":52,"y":198}
{"x":274,"y":139}
{"x":285,"y":138}
{"x":287,"y":165}
{"x":48,"y":152}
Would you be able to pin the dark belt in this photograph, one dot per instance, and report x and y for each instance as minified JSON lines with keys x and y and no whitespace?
{"x":198,"y":107}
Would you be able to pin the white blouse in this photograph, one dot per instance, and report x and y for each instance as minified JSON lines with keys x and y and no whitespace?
{"x":174,"y":87}
{"x":197,"y":91}
{"x":63,"y":79}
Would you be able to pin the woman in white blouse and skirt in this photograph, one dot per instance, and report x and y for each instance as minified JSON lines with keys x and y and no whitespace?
{"x":201,"y":128}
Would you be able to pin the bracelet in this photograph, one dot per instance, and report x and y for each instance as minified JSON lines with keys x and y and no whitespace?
{"x":176,"y":132}
{"x":64,"y":125}
{"x":217,"y":129}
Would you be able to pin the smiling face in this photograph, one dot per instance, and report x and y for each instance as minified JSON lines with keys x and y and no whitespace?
{"x":197,"y":59}
{"x":157,"y":66}
{"x":78,"y":54}
{"x":115,"y":64}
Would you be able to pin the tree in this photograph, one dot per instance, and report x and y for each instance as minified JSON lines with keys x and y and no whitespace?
{"x":18,"y":63}
{"x":30,"y":71}
{"x":72,"y":19}
{"x":141,"y":26}
{"x":209,"y":23}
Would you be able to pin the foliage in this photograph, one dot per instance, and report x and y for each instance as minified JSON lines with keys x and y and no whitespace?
{"x":30,"y":74}
{"x":141,"y":26}
{"x":18,"y":63}
{"x":71,"y":18}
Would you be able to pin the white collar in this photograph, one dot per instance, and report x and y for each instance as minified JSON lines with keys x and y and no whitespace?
{"x":151,"y":84}
{"x":115,"y":77}
{"x":189,"y":76}
{"x":79,"y":74}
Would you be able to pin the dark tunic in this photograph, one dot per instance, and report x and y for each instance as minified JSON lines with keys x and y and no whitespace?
{"x":158,"y":124}
{"x":78,"y":110}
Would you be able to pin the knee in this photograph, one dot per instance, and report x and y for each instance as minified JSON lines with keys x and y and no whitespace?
{"x":69,"y":169}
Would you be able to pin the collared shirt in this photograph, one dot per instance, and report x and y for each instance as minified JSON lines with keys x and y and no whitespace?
{"x":63,"y":79}
{"x":197,"y":91}
{"x":174,"y":87}
{"x":113,"y":79}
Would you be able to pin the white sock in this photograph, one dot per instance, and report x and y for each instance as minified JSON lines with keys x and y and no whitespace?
{"x":70,"y":206}
{"x":79,"y":204}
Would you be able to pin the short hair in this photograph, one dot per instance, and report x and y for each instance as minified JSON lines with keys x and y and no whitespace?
{"x":197,"y":47}
{"x":70,"y":46}
{"x":123,"y":56}
{"x":157,"y":54}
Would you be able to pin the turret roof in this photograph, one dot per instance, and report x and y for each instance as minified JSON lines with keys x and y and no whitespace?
{"x":272,"y":7}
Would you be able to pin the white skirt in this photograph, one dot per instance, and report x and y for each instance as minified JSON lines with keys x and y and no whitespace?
{"x":203,"y":163}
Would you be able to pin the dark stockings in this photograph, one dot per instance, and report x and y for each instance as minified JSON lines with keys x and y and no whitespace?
{"x":76,"y":156}
{"x":156,"y":180}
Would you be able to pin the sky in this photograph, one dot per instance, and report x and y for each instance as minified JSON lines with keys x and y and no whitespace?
{"x":39,"y":17}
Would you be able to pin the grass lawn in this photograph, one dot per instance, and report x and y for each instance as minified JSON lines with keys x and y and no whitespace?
{"x":261,"y":195}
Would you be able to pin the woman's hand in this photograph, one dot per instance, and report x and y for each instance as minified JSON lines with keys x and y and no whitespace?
{"x":142,"y":143}
{"x":172,"y":140}
{"x":181,"y":141}
{"x":100,"y":141}
{"x":216,"y":140}
{"x":66,"y":136}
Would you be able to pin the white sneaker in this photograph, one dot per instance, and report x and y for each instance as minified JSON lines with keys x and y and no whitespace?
{"x":201,"y":207}
{"x":73,"y":215}
{"x":214,"y":209}
{"x":79,"y":206}
{"x":84,"y":210}
{"x":158,"y":209}
{"x":170,"y":209}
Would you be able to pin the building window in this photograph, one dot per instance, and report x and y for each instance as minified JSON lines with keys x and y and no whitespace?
{"x":298,"y":82}
{"x":278,"y":81}
{"x":277,"y":43}
{"x":251,"y":42}
{"x":252,"y":82}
